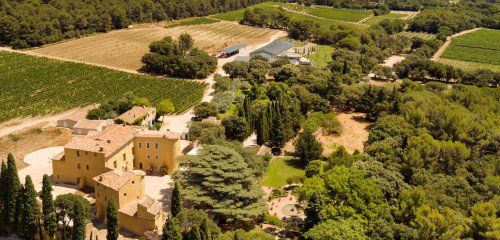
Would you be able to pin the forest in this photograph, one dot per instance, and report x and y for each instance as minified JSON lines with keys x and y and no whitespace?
{"x":34,"y":23}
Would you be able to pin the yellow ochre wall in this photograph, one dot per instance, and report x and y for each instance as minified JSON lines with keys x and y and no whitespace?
{"x":134,"y":190}
{"x":67,"y":171}
{"x":138,"y":226}
{"x":163,"y":155}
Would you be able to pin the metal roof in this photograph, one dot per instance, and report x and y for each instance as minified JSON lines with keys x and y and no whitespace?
{"x":275,"y":48}
{"x":242,"y":59}
{"x":234,"y":48}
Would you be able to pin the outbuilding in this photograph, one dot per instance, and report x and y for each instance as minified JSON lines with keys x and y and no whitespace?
{"x":232,"y":50}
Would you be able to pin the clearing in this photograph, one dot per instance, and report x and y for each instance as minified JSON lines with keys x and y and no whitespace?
{"x":322,"y":55}
{"x":354,"y":134}
{"x":26,"y":141}
{"x":40,"y":86}
{"x":125,"y":48}
{"x":476,"y":48}
{"x":280,"y":169}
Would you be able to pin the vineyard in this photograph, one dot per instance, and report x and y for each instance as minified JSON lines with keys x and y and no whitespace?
{"x":124,"y":48}
{"x":481,"y":46}
{"x":39,"y":86}
{"x":376,"y":19}
{"x":422,"y":35}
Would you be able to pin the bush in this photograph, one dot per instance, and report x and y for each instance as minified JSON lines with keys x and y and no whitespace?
{"x":277,"y":193}
{"x":165,"y":107}
{"x":205,"y":110}
{"x":164,"y":170}
{"x":294,"y":179}
{"x":273,"y":220}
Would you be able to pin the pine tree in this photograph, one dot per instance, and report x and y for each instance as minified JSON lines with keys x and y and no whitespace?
{"x":113,"y":224}
{"x":48,"y":208}
{"x":12,"y":186}
{"x":204,"y":231}
{"x":171,"y":231}
{"x":194,"y":234}
{"x":79,"y":222}
{"x":32,"y":212}
{"x":176,"y":202}
{"x":307,"y":147}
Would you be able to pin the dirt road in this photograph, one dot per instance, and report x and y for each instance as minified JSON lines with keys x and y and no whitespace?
{"x":447,"y":43}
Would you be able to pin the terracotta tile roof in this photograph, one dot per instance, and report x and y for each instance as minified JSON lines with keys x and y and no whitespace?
{"x":89,"y":124}
{"x":151,"y":205}
{"x":109,"y":141}
{"x":158,"y":134}
{"x":58,"y":157}
{"x":80,"y":113}
{"x":116,"y":179}
{"x":135,"y":113}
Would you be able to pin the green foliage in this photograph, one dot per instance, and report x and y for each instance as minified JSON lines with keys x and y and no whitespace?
{"x":165,"y":107}
{"x":112,"y":224}
{"x":479,"y":46}
{"x":206,"y":132}
{"x":72,"y":208}
{"x":101,"y":84}
{"x":240,"y":234}
{"x":338,"y":230}
{"x":327,"y":121}
{"x":176,"y":200}
{"x":307,"y":147}
{"x":220,"y":180}
{"x":79,"y":221}
{"x":190,"y":217}
{"x":193,"y":21}
{"x":205,"y":110}
{"x":48,"y":207}
{"x":10,"y":194}
{"x":171,"y":231}
{"x":31,"y":215}
{"x":236,"y":128}
{"x":279,"y":170}
{"x":194,"y":234}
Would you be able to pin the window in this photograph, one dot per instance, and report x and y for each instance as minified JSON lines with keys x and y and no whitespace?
{"x":86,"y":153}
{"x":156,"y":157}
{"x":105,"y":199}
{"x":124,"y":157}
{"x":124,"y":194}
{"x":140,"y":145}
{"x":147,"y":145}
{"x":156,"y":145}
{"x":98,"y":195}
{"x":77,"y":153}
{"x":115,"y":165}
{"x":148,"y":156}
{"x":88,"y":167}
{"x":133,"y":182}
{"x":58,"y":176}
{"x":78,"y":166}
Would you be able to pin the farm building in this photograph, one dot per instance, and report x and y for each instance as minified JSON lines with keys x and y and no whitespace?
{"x":295,"y":58}
{"x":84,"y":126}
{"x":273,"y":50}
{"x":232,"y":50}
{"x":70,"y":120}
{"x":141,"y":116}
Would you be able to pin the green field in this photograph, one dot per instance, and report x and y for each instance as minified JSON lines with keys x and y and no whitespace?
{"x":38,"y":86}
{"x":279,"y":170}
{"x":193,"y":21}
{"x":322,"y":56}
{"x":324,"y":16}
{"x":481,"y":46}
{"x":376,"y":19}
{"x":422,"y":35}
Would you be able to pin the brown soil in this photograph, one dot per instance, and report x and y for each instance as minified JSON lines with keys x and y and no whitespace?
{"x":354,"y":134}
{"x":31,"y":139}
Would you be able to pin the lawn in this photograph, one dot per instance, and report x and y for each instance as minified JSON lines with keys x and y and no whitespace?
{"x":481,"y":46}
{"x":38,"y":86}
{"x":322,"y":56}
{"x":279,"y":170}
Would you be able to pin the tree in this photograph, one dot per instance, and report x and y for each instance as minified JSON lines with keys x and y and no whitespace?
{"x":194,"y":234}
{"x":66,"y":211}
{"x":205,"y":231}
{"x":79,"y":221}
{"x":165,"y":107}
{"x":12,"y":186}
{"x":307,"y":147}
{"x":31,"y":210}
{"x":484,"y":224}
{"x":113,"y":223}
{"x":171,"y":230}
{"x":220,"y":181}
{"x":205,"y":110}
{"x":48,"y":207}
{"x":236,"y":128}
{"x":176,"y":201}
{"x":338,"y":230}
{"x":186,"y":43}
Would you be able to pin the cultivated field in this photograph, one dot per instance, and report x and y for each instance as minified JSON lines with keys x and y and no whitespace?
{"x":481,"y":46}
{"x":38,"y":86}
{"x":422,"y":35}
{"x":123,"y":49}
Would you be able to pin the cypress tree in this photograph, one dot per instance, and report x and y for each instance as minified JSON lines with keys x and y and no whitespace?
{"x":277,"y":136}
{"x":31,"y":210}
{"x":113,"y":224}
{"x":194,"y":234}
{"x":262,"y":128}
{"x":204,"y":231}
{"x":3,"y":190}
{"x":176,"y":202}
{"x":18,"y":222}
{"x":79,"y":222}
{"x":48,"y":208}
{"x":171,"y":231}
{"x":345,"y":68}
{"x":12,"y":186}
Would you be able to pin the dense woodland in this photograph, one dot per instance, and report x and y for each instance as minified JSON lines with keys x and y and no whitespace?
{"x":35,"y":23}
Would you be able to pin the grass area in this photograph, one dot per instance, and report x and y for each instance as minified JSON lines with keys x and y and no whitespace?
{"x":322,"y":56}
{"x":469,"y":66}
{"x":193,"y":21}
{"x":279,"y":170}
{"x":376,"y":19}
{"x":301,"y":13}
{"x":422,"y":35}
{"x":481,"y":46}
{"x":37,"y":86}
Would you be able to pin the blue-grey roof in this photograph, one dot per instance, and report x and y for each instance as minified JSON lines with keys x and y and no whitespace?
{"x":275,"y":48}
{"x":242,"y":59}
{"x":234,"y":48}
